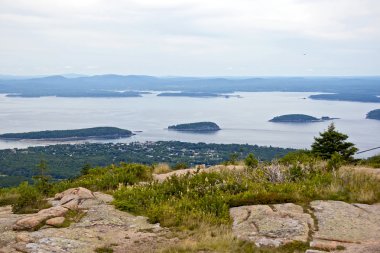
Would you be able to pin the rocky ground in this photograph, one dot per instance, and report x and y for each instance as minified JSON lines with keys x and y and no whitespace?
{"x":101,"y":226}
{"x":327,"y":226}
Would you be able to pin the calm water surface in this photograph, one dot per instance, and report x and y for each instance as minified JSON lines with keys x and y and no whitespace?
{"x":244,"y":120}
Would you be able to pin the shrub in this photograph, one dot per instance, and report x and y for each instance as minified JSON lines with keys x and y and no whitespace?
{"x":335,"y":162}
{"x":108,"y":178}
{"x":180,"y":166}
{"x":30,"y":200}
{"x":251,"y":162}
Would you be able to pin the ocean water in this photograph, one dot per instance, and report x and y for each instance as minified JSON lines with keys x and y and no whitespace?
{"x":243,"y":120}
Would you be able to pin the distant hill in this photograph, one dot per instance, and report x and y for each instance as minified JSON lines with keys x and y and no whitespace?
{"x":361,"y":89}
{"x":196,"y":127}
{"x":298,"y":118}
{"x":374,"y":114}
{"x":77,"y":134}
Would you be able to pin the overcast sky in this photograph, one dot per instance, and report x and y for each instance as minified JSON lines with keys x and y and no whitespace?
{"x":190,"y":37}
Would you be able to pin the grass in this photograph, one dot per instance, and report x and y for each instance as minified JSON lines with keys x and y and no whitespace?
{"x":161,"y":168}
{"x":8,"y":196}
{"x":72,"y":216}
{"x":185,"y":201}
{"x":219,"y":238}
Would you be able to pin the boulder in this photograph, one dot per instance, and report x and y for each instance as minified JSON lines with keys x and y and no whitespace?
{"x":80,"y":193}
{"x":30,"y":223}
{"x":52,"y":212}
{"x":72,"y":204}
{"x":37,"y":220}
{"x":273,"y":226}
{"x":55,"y":222}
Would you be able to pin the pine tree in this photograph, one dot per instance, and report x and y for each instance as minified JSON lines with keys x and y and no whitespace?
{"x":332,"y":141}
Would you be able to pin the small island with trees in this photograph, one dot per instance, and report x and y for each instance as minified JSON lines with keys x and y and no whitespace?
{"x":68,"y":135}
{"x":374,"y":114}
{"x":298,"y":118}
{"x":196,"y":127}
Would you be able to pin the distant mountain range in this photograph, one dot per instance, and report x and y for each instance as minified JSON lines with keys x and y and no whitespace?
{"x":361,"y":89}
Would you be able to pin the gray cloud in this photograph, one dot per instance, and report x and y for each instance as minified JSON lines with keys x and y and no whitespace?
{"x":190,"y":37}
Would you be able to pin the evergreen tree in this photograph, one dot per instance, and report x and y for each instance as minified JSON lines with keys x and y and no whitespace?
{"x":332,"y":141}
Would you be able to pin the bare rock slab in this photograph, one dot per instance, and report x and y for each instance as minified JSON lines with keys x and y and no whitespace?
{"x":340,"y":221}
{"x":273,"y":226}
{"x":356,"y":227}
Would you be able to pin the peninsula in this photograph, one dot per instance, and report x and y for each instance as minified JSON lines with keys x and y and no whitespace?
{"x":196,"y":95}
{"x":298,"y":118}
{"x":374,"y":114}
{"x":196,"y":127}
{"x":67,"y":135}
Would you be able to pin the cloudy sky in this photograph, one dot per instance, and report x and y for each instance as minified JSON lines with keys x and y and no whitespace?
{"x":190,"y":37}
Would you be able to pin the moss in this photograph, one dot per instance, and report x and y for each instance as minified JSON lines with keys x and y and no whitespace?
{"x":104,"y":250}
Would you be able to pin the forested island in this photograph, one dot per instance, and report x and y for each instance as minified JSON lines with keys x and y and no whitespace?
{"x":352,"y":97}
{"x":298,"y":118}
{"x":374,"y":114}
{"x":76,"y":134}
{"x":66,"y":161}
{"x":196,"y":127}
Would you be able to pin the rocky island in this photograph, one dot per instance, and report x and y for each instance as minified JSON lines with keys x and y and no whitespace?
{"x":67,"y":135}
{"x":196,"y":127}
{"x":374,"y":114}
{"x":298,"y":118}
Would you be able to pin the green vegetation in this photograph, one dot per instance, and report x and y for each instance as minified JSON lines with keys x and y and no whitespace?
{"x":29,"y":200}
{"x":105,"y":249}
{"x":373,"y":161}
{"x":189,"y":200}
{"x":107,"y":178}
{"x":251,"y":162}
{"x":374,"y":114}
{"x":67,"y":161}
{"x":196,"y":127}
{"x":95,"y":132}
{"x":332,"y":141}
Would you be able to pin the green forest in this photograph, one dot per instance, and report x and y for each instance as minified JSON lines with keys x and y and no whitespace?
{"x":66,"y":161}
